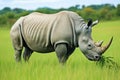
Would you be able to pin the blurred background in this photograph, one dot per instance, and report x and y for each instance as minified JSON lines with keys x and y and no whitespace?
{"x":11,"y":10}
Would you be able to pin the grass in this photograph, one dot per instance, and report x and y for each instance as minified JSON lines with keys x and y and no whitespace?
{"x":107,"y":62}
{"x":46,"y":66}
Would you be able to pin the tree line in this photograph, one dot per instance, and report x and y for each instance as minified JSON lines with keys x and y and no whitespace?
{"x":102,"y":12}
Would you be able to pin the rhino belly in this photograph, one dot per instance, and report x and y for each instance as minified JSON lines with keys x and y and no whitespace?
{"x":38,"y":45}
{"x":41,"y":49}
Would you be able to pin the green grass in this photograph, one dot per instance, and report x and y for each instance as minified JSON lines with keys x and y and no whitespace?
{"x":46,"y":66}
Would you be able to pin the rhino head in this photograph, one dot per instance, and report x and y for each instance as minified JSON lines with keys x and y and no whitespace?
{"x":92,"y":50}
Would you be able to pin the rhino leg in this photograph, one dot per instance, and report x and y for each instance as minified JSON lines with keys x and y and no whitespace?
{"x":27,"y":53}
{"x":70,"y":50}
{"x":63,"y":52}
{"x":18,"y":50}
{"x":18,"y":55}
{"x":17,"y":44}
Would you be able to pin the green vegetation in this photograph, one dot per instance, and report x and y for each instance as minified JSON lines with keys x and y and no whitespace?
{"x":46,"y":66}
{"x":107,"y":62}
{"x":102,"y":12}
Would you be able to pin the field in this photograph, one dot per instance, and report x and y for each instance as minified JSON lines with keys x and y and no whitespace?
{"x":46,"y":66}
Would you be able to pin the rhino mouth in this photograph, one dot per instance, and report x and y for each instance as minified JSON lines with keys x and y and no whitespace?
{"x":93,"y":58}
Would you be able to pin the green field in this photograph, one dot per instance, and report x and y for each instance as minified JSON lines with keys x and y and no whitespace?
{"x":46,"y":66}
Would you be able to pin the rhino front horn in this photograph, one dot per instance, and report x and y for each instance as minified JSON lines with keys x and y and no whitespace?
{"x":104,"y":48}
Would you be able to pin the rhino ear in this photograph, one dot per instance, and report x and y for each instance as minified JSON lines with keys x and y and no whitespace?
{"x":95,"y":22}
{"x":89,"y":22}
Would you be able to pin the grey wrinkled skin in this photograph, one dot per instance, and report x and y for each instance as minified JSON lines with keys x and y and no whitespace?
{"x":61,"y":32}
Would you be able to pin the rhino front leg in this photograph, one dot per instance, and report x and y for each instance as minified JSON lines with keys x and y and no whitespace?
{"x":27,"y":53}
{"x":63,"y":52}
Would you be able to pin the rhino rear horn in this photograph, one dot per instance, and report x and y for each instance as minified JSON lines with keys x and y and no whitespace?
{"x":99,"y":44}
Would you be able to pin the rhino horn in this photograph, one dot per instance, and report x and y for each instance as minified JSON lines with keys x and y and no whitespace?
{"x":104,"y":48}
{"x":98,"y":44}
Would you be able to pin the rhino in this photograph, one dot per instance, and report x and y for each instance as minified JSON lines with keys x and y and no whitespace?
{"x":61,"y":32}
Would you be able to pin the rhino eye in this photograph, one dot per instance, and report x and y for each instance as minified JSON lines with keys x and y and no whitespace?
{"x":89,"y":46}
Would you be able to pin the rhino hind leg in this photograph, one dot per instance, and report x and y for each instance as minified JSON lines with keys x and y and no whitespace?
{"x":18,"y":55}
{"x":27,"y":53}
{"x":63,"y":52}
{"x":17,"y":45}
{"x":18,"y":51}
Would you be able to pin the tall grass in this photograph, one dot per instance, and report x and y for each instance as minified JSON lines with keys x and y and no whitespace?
{"x":46,"y":66}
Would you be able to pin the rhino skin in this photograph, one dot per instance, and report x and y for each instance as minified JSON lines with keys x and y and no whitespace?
{"x":60,"y":32}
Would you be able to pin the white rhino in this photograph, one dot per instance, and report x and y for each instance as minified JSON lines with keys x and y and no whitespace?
{"x":61,"y":32}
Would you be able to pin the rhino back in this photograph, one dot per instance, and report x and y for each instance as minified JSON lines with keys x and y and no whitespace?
{"x":42,"y":31}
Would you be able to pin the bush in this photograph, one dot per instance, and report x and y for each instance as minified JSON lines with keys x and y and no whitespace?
{"x":3,"y":19}
{"x":10,"y":15}
{"x":118,"y":10}
{"x":89,"y":13}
